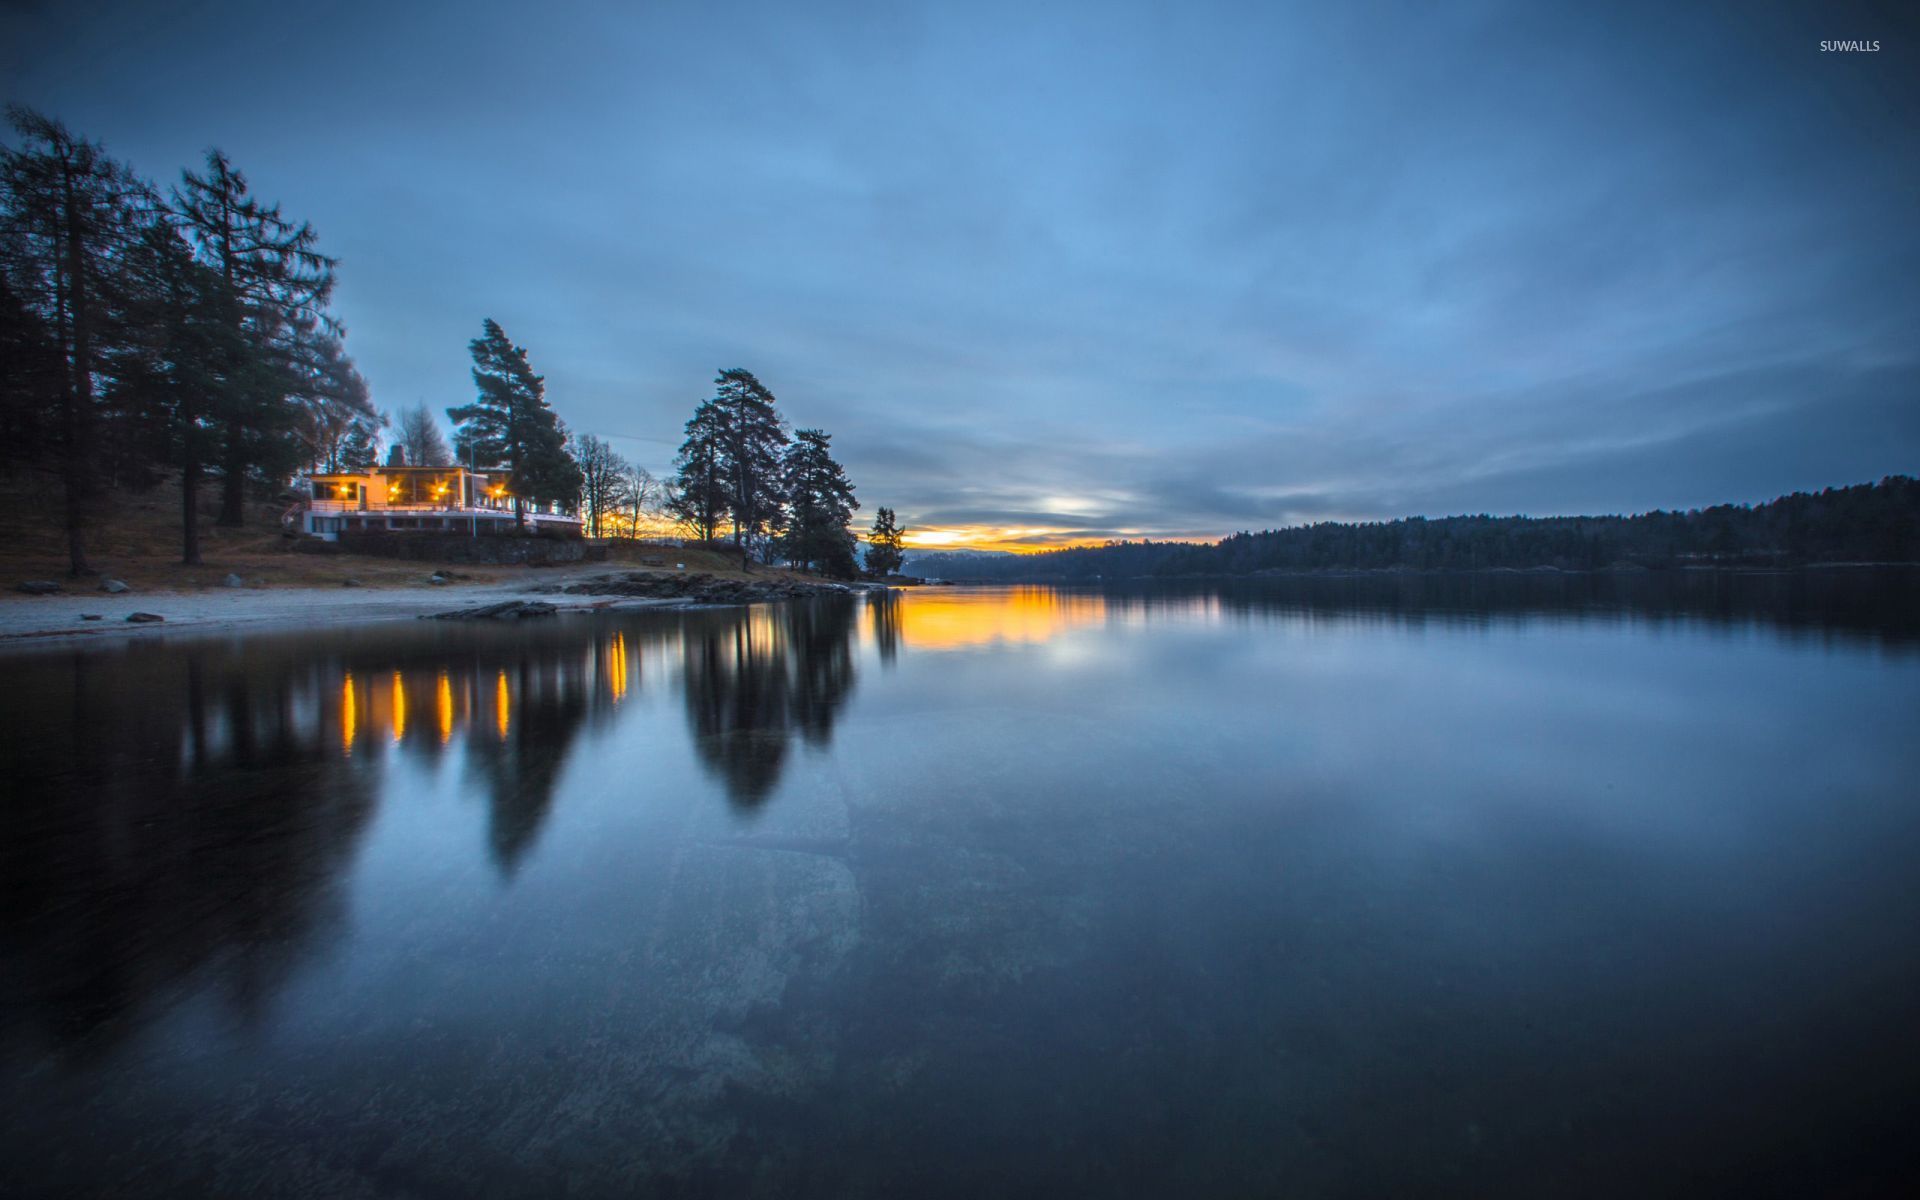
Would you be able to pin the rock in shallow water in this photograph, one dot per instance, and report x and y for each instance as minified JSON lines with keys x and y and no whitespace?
{"x":506,"y":610}
{"x":144,"y":618}
{"x":113,"y":586}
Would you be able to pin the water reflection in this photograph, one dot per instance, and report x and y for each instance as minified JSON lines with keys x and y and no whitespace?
{"x":755,"y":684}
{"x":1059,"y":868}
{"x":965,"y":618}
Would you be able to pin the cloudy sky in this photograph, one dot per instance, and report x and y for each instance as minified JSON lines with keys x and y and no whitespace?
{"x":1054,"y":271}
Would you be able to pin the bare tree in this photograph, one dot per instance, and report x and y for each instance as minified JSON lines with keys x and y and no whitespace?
{"x":602,"y":475}
{"x":419,"y":433}
{"x":640,"y":496}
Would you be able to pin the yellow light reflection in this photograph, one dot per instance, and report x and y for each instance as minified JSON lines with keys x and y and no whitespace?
{"x":399,"y":708}
{"x":443,"y":706}
{"x":502,"y":705}
{"x":349,"y":718}
{"x":617,"y":667}
{"x":947,"y":619}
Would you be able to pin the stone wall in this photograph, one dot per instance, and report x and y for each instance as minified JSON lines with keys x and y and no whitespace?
{"x":533,"y":550}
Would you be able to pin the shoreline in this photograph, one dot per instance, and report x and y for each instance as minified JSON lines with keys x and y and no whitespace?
{"x":28,"y":622}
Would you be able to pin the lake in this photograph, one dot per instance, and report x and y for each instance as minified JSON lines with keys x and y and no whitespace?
{"x":1583,"y":886}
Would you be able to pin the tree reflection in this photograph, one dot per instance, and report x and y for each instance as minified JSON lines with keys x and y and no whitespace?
{"x":883,"y":613}
{"x":166,"y":813}
{"x":755,"y":681}
{"x":182,"y":814}
{"x":521,"y":766}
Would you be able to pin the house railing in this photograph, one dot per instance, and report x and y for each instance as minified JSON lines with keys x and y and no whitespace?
{"x":373,"y":508}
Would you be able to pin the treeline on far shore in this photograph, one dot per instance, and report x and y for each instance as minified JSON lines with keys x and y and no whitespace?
{"x":1866,"y":523}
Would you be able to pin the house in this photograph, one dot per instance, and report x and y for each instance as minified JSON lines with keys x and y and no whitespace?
{"x":420,"y":499}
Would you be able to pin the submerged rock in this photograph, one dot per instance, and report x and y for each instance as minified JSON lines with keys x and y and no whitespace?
{"x":506,"y":610}
{"x":144,"y":618}
{"x":701,"y":588}
{"x":351,"y":583}
{"x":37,"y":587}
{"x":91,"y":617}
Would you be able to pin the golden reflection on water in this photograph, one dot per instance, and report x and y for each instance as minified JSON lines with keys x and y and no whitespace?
{"x":617,"y":678}
{"x":604,"y":670}
{"x":955,"y":618}
{"x":502,"y":706}
{"x":346,"y":714}
{"x":399,"y":711}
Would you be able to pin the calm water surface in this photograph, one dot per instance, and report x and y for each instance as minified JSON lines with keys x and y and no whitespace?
{"x":1602,"y":887}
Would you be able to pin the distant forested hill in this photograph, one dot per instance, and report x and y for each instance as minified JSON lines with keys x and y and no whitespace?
{"x":1873,"y":522}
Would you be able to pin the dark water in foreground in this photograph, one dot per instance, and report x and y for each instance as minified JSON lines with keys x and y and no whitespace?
{"x":1487,"y":887}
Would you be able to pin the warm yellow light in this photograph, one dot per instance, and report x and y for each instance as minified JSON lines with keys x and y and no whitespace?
{"x":443,"y":705}
{"x":399,"y":708}
{"x":348,"y":717}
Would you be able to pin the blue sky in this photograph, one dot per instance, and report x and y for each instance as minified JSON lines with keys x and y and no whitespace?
{"x":1078,"y":270}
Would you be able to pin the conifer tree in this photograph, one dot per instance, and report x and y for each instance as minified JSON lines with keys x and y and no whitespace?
{"x":884,"y":544}
{"x":185,"y":355}
{"x":510,"y":425}
{"x":699,"y":493}
{"x":360,"y":448}
{"x":820,"y":507}
{"x":68,"y":216}
{"x":329,"y":394}
{"x":280,"y":286}
{"x":751,"y":438}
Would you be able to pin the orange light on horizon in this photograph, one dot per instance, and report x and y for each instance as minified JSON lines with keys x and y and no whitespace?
{"x":1027,"y":540}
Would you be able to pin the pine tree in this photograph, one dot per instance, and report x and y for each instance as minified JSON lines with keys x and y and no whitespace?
{"x":820,"y":507}
{"x":510,"y":425}
{"x":187,"y":355}
{"x":360,"y":447}
{"x":280,"y":286}
{"x":751,"y":437}
{"x":68,"y":215}
{"x":884,"y":544}
{"x":699,"y":492}
{"x":329,"y":394}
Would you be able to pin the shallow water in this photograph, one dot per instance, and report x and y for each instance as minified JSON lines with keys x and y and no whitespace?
{"x":1476,"y":886}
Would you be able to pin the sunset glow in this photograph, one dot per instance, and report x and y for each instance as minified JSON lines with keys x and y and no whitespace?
{"x":1015,"y":540}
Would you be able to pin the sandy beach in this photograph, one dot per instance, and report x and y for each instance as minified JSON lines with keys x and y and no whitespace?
{"x":39,"y":620}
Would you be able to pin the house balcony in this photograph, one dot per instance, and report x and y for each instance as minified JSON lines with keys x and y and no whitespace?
{"x":330,"y":518}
